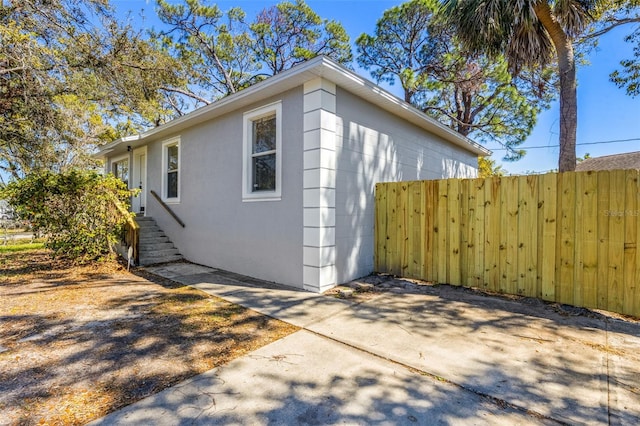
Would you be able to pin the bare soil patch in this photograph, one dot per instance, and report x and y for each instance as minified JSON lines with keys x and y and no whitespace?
{"x":79,"y":342}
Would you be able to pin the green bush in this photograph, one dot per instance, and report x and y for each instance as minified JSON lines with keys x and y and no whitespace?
{"x":80,"y":213}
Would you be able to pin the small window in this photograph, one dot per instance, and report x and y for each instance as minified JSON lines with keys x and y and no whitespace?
{"x":120,"y":169}
{"x":263,"y":156}
{"x":262,"y":159}
{"x":171,"y":170}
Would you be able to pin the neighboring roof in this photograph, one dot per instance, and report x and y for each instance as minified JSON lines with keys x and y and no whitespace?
{"x":627,"y":160}
{"x":320,"y":66}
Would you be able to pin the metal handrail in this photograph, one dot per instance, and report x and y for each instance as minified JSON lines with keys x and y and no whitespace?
{"x":167,"y":208}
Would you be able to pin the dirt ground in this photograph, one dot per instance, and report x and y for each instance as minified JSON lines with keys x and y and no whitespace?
{"x":79,"y":342}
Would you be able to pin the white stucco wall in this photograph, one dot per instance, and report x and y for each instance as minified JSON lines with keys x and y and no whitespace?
{"x":259,"y":238}
{"x":373,"y":146}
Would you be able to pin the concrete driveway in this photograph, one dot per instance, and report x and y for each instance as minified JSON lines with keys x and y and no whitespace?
{"x":408,"y":355}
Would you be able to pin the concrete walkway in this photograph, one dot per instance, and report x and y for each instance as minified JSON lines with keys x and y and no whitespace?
{"x":408,"y":355}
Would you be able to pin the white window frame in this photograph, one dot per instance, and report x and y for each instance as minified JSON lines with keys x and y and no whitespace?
{"x":118,"y":159}
{"x":247,"y":136}
{"x":165,"y":146}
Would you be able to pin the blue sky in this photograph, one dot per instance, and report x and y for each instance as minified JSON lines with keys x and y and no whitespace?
{"x":605,"y":112}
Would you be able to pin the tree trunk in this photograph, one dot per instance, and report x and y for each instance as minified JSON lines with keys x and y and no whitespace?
{"x":568,"y":93}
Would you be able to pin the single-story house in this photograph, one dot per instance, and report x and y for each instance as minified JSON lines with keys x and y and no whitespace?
{"x":626,"y":160}
{"x":277,"y":181}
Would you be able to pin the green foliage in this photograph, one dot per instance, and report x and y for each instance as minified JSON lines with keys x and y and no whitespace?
{"x":534,"y":33}
{"x":213,"y":47}
{"x":628,"y":77}
{"x":73,"y":78}
{"x":471,"y":92}
{"x":221,"y":53}
{"x":80,"y":213}
{"x":611,"y":14}
{"x":488,"y":168}
{"x":291,"y":33}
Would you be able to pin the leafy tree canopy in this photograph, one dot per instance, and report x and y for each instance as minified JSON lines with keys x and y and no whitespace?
{"x":470,"y":91}
{"x":224,"y":53}
{"x":72,"y":78}
{"x":532,"y":34}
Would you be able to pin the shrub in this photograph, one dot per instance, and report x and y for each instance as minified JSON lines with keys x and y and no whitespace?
{"x":80,"y":213}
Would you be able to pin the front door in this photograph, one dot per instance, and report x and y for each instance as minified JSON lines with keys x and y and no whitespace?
{"x":139,"y":179}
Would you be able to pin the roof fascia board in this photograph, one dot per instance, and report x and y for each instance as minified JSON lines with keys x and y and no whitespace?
{"x":320,"y":66}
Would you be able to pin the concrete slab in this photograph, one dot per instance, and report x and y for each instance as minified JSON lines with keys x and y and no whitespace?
{"x":295,"y":307}
{"x":623,"y":347}
{"x":559,"y":362}
{"x":308,"y":379}
{"x":548,"y":365}
{"x":175,"y":270}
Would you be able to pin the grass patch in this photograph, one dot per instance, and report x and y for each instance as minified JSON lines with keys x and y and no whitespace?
{"x":79,"y":342}
{"x":14,"y":248}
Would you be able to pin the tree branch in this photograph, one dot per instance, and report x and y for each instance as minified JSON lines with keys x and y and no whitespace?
{"x":186,"y":93}
{"x":616,"y":23}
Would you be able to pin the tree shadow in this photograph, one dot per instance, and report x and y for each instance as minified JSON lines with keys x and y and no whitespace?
{"x":95,"y":359}
{"x":299,"y":387}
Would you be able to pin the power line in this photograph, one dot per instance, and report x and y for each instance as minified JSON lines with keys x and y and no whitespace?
{"x":578,"y":144}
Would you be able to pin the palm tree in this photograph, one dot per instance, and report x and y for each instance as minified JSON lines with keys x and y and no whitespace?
{"x":531,"y":33}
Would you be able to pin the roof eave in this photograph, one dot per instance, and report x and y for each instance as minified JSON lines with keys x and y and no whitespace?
{"x":320,"y":66}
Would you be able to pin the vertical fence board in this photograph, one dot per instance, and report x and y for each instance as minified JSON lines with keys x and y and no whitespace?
{"x":578,"y":240}
{"x":527,"y":235}
{"x":403,"y":203}
{"x":393,"y":257}
{"x":603,"y":239}
{"x":589,"y":232}
{"x":571,"y":237}
{"x":567,"y":208}
{"x":492,"y":237}
{"x":616,"y":240}
{"x":443,"y":248}
{"x":453,"y":228}
{"x":630,"y":240}
{"x":423,"y":227}
{"x":430,"y":208}
{"x":478,"y":239}
{"x":415,"y":231}
{"x":467,"y":212}
{"x":549,"y":225}
{"x":509,"y":252}
{"x":547,"y":258}
{"x":380,"y":228}
{"x":636,"y":217}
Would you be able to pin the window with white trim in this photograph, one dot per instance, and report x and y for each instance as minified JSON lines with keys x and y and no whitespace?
{"x":262,"y":165}
{"x":171,"y":170}
{"x":120,"y":169}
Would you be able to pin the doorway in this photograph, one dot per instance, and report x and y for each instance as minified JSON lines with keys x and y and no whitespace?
{"x":139,"y":180}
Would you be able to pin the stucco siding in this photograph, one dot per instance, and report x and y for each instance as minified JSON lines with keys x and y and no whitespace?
{"x":374,"y":146}
{"x":258,"y":238}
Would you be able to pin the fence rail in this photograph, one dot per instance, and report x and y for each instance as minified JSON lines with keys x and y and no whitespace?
{"x":569,"y":237}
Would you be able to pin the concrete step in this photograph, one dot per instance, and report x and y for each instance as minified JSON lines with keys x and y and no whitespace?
{"x":160,"y":253}
{"x":153,"y":239}
{"x":144,"y":219}
{"x":149,"y":227}
{"x":152,"y":247}
{"x":146,"y":261}
{"x":151,"y":233}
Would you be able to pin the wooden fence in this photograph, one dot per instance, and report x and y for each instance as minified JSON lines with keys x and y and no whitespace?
{"x":565,"y":237}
